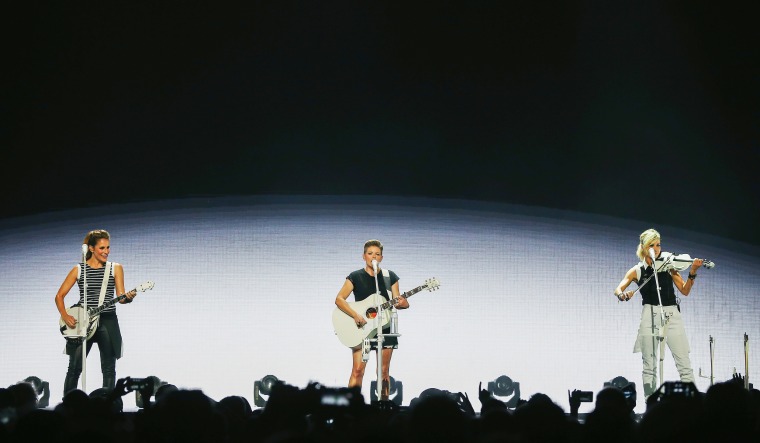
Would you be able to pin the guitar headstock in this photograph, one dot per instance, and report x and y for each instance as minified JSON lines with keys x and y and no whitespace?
{"x":432,"y":284}
{"x":708,"y":264}
{"x":148,"y":285}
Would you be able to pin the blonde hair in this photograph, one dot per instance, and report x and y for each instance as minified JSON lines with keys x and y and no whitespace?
{"x":377,"y":243}
{"x":92,"y":237}
{"x":645,"y":241}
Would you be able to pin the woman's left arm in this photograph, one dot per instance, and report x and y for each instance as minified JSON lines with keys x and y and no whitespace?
{"x":402,"y":302}
{"x":118,"y":278}
{"x":684,"y":286}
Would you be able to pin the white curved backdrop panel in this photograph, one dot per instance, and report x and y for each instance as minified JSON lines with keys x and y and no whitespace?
{"x":245,"y":288}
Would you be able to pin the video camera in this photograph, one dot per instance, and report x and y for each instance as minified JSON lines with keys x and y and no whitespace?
{"x":139,"y":384}
{"x":582,"y":396}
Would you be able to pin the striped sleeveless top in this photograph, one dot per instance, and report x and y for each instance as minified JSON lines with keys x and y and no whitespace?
{"x":94,"y":282}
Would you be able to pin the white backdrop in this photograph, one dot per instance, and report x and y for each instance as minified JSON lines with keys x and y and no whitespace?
{"x":245,"y":288}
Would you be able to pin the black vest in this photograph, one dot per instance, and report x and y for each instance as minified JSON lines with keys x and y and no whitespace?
{"x":649,"y":291}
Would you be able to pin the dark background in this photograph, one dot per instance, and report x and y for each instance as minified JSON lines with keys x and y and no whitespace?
{"x":645,"y":110}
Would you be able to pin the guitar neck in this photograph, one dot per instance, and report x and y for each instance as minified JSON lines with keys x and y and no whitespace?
{"x":392,"y":302}
{"x":97,"y":310}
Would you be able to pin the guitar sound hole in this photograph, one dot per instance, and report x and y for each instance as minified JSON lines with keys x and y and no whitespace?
{"x":371,"y":313}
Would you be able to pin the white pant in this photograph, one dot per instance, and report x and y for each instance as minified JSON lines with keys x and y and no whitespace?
{"x":650,"y":338}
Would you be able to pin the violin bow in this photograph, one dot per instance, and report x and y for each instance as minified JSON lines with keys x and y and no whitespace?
{"x":707,"y":264}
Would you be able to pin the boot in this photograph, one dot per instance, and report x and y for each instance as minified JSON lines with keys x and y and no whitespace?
{"x":109,"y":381}
{"x":70,"y":383}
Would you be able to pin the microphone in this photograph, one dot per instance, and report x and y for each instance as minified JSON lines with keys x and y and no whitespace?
{"x":84,"y":249}
{"x":374,"y":265}
{"x":651,"y":254}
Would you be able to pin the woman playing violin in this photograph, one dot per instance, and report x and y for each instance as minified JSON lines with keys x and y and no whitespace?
{"x":661,"y":316}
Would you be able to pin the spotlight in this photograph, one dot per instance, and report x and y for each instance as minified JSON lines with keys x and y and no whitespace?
{"x":264,"y":387}
{"x":395,"y":391}
{"x":628,"y":388}
{"x":502,"y":388}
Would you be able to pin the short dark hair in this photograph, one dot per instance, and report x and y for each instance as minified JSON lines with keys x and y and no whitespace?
{"x":369,"y":243}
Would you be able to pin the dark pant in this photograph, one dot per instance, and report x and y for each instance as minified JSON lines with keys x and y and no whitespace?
{"x":107,"y":359}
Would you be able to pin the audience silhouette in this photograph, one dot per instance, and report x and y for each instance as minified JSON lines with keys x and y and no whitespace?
{"x":726,"y":412}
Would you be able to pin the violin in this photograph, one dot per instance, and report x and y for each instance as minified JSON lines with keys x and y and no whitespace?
{"x":668,"y":261}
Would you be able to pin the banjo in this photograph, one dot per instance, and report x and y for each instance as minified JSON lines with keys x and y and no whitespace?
{"x":87,"y":321}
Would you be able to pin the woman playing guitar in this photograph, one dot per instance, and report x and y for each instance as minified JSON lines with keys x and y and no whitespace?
{"x":108,"y":335}
{"x":362,"y":283}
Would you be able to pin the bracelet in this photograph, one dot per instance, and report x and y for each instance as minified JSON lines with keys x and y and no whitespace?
{"x":692,"y":276}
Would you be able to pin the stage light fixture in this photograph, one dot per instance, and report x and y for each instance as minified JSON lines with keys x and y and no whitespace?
{"x":263,"y":388}
{"x":628,"y":388}
{"x":505,"y":390}
{"x":395,"y":392}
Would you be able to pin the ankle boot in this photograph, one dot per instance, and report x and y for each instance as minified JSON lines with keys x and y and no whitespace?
{"x":70,"y":383}
{"x":109,"y":381}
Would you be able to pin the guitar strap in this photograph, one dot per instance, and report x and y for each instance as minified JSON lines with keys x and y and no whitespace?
{"x":387,"y":280}
{"x":107,"y":273}
{"x":104,"y":286}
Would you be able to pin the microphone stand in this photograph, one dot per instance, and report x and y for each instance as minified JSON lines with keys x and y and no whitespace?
{"x":746,"y":361}
{"x":661,"y":334}
{"x":85,"y":320}
{"x":668,"y":263}
{"x":380,"y":338}
{"x":380,"y":335}
{"x":712,"y":360}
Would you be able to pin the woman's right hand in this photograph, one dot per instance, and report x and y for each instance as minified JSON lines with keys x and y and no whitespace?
{"x":69,"y":320}
{"x":359,"y":320}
